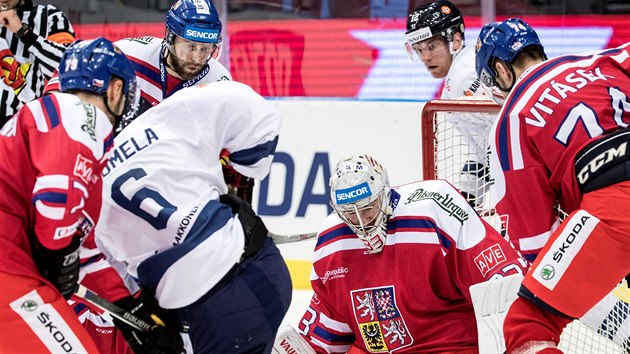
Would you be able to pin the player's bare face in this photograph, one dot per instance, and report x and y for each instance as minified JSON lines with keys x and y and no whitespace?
{"x":187,"y":58}
{"x":8,"y":4}
{"x":435,"y":55}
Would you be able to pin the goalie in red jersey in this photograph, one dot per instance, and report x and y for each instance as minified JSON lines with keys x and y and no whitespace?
{"x":392,"y":267}
{"x":562,"y":138}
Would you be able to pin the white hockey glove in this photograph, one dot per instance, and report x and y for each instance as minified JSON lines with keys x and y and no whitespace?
{"x":288,"y":341}
{"x":491,"y":300}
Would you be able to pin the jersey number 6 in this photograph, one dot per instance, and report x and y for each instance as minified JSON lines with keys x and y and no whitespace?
{"x":156,"y":213}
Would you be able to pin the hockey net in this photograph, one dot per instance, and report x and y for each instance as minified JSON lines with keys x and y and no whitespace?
{"x":445,"y":152}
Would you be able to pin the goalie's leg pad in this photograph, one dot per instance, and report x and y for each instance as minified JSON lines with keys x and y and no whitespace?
{"x":491,"y":300}
{"x":288,"y":341}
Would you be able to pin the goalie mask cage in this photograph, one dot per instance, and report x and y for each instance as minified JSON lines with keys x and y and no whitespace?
{"x":606,"y":328}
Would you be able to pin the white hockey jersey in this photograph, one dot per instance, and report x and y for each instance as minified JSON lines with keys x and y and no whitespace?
{"x":461,"y":79}
{"x":154,"y":83}
{"x":161,"y":216}
{"x":460,"y":82}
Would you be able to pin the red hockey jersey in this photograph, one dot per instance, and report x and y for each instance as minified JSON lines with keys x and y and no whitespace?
{"x":413,"y":296}
{"x":53,"y":152}
{"x":553,"y":111}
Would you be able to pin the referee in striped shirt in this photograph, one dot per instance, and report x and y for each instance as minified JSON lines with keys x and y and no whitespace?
{"x":32,"y":40}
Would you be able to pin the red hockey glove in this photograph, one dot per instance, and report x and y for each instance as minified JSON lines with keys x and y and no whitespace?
{"x":238,"y":184}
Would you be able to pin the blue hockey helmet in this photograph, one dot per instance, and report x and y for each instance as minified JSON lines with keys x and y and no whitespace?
{"x":194,"y":20}
{"x":484,"y":32}
{"x":90,"y":65}
{"x":503,"y":42}
{"x":491,"y":91}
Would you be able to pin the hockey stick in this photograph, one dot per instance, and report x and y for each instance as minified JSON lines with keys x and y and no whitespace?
{"x":279,"y":239}
{"x":115,"y":311}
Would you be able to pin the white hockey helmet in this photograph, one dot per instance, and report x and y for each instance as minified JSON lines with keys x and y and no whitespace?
{"x":361,"y":196}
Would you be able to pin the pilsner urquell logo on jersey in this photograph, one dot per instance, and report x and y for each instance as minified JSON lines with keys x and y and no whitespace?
{"x":381,"y":325}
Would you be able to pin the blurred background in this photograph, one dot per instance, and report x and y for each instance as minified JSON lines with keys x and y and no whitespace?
{"x":349,"y":48}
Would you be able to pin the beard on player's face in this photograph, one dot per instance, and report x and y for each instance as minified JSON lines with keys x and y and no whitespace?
{"x":186,"y":69}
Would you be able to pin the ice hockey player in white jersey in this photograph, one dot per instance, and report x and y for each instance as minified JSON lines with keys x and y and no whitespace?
{"x":435,"y":32}
{"x":186,"y":56}
{"x":167,"y":216}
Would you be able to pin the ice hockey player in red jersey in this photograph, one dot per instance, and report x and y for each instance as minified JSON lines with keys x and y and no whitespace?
{"x":392,"y":267}
{"x":561,"y":138}
{"x":53,"y":152}
{"x":528,"y":49}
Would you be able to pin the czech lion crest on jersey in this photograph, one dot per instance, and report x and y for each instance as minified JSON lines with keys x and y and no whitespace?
{"x":381,"y":325}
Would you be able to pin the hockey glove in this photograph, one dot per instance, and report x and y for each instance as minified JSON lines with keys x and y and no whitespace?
{"x":162,"y":338}
{"x":60,"y":267}
{"x":238,"y":184}
{"x":255,"y":230}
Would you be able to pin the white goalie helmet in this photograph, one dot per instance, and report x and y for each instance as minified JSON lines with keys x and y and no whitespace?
{"x":361,"y":196}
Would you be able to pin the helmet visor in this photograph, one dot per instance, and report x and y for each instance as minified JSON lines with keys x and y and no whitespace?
{"x":362,"y":218}
{"x":426,"y":47}
{"x":411,"y":53}
{"x":197,"y":51}
{"x":493,"y":92}
{"x":414,"y":38}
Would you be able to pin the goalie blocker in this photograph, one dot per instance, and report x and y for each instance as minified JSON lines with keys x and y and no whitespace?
{"x":491,"y":300}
